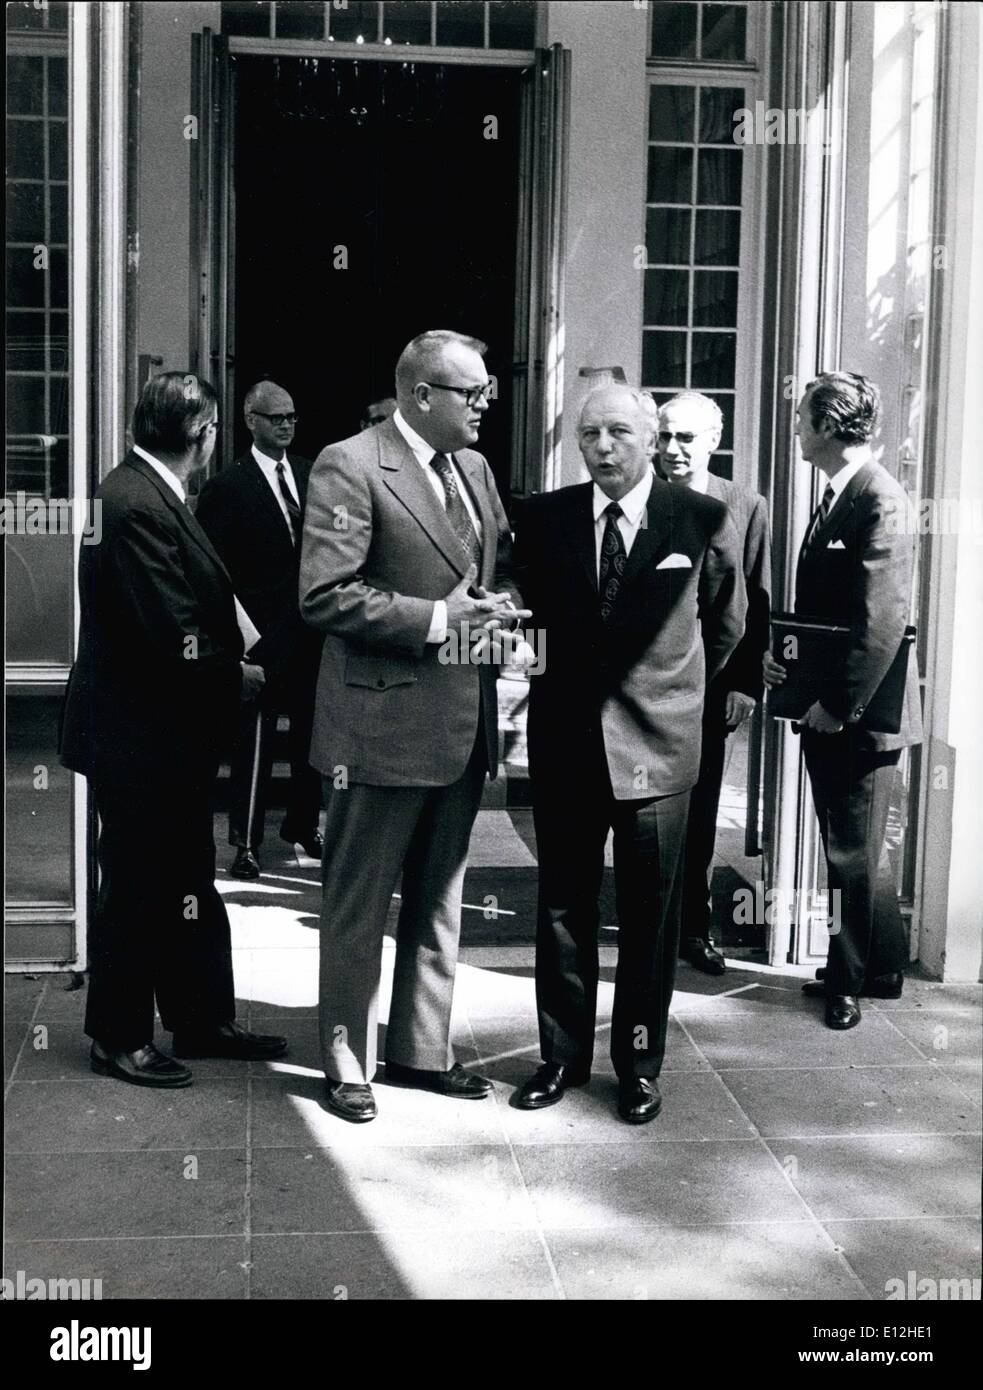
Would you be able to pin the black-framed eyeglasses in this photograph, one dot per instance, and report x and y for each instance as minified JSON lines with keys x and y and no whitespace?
{"x":290,"y":419}
{"x":682,"y":436}
{"x":471,"y":394}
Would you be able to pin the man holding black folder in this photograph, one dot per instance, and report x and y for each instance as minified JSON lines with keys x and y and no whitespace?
{"x":855,"y":570}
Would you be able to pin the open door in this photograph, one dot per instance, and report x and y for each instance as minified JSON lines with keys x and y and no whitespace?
{"x":537,"y":419}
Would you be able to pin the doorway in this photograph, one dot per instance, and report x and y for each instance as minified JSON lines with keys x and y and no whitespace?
{"x":372,"y":200}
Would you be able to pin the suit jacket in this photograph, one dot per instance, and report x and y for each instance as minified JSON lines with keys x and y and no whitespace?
{"x":639,"y":679}
{"x":157,"y":678}
{"x":857,"y":570}
{"x":378,"y":550}
{"x":748,"y":513}
{"x":248,"y":529}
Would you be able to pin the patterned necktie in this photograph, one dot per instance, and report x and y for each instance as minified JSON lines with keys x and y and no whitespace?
{"x":457,"y":513}
{"x":293,"y":511}
{"x":822,"y":512}
{"x":614,"y":557}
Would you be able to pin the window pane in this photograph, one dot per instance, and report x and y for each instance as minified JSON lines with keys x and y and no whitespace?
{"x":724,"y":32}
{"x":667,"y":235}
{"x":718,"y":238}
{"x":25,"y":284}
{"x":25,"y":405}
{"x":25,"y":93}
{"x":715,"y":298}
{"x":512,"y":24}
{"x":713,"y":359}
{"x":360,"y":18}
{"x":671,"y":113}
{"x":58,"y":197}
{"x":25,"y":149}
{"x":407,"y":21}
{"x":245,"y":18}
{"x":300,"y":19}
{"x":58,"y":149}
{"x":666,"y":296}
{"x":22,"y":14}
{"x":719,"y":176}
{"x":25,"y":342}
{"x":57,"y":87}
{"x":670,"y":175}
{"x":58,"y":14}
{"x":39,"y":821}
{"x":726,"y":404}
{"x":722,"y":465}
{"x":25,"y":212}
{"x":674,"y":31}
{"x":663,"y":358}
{"x":59,"y":277}
{"x":717,"y":107}
{"x":461,"y":23}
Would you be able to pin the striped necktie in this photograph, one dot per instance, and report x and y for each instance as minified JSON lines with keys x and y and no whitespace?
{"x":457,"y":513}
{"x":293,"y":511}
{"x":821,"y":513}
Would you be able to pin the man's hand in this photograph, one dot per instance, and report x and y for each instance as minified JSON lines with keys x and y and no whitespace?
{"x":816,"y":718}
{"x":773,"y":671}
{"x":737,"y":708}
{"x":253,"y":680}
{"x":485,"y":610}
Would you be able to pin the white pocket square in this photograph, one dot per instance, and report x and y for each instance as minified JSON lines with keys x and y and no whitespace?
{"x":836,"y":545}
{"x":675,"y":562}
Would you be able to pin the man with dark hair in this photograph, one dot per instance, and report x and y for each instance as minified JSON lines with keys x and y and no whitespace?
{"x":156,"y":681}
{"x":404,"y":530}
{"x":855,"y":569}
{"x":377,"y":411}
{"x":253,"y":513}
{"x":688,"y":432}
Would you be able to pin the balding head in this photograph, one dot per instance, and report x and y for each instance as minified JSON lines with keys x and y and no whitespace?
{"x":615,"y":436}
{"x":433,"y":375}
{"x":271,"y":436}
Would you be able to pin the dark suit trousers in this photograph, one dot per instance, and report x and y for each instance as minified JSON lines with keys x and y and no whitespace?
{"x":572,"y":824}
{"x":851,"y":790}
{"x":252,"y":758}
{"x":701,"y":830}
{"x":372,"y":834}
{"x":160,"y":927}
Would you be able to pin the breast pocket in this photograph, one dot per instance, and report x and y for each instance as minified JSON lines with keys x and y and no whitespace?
{"x":378,"y":672}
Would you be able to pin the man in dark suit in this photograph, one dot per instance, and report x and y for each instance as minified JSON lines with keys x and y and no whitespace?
{"x":622,"y":574}
{"x":689,"y":430}
{"x":855,"y":568}
{"x":404,"y":535}
{"x":158,"y":675}
{"x":253,"y":513}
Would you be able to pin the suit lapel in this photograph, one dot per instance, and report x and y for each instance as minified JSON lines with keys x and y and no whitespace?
{"x":404,"y":478}
{"x":270,"y":512}
{"x":180,"y":510}
{"x":655,"y":527}
{"x":841,"y":511}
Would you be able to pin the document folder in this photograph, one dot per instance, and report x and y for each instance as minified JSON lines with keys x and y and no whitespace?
{"x":812,"y":651}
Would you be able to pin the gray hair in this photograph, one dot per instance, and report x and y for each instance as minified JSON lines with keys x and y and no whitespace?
{"x":256,"y":393}
{"x":642,"y":401}
{"x":708,"y":404}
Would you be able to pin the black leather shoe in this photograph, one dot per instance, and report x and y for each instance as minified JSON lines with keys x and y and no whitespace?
{"x":245,"y":865}
{"x":547,"y":1085}
{"x":229,"y":1040}
{"x":701,"y":955}
{"x":144,"y":1067}
{"x":465,"y":1085}
{"x":352,"y":1101}
{"x":842,"y":1011}
{"x":311,"y":840}
{"x":814,"y":989}
{"x":639,"y":1100}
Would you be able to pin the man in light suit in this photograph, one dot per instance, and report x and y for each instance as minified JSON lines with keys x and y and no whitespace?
{"x":636,"y":586}
{"x":254,"y":513}
{"x":154,"y":690}
{"x":855,"y":568}
{"x":406,"y":551}
{"x":689,"y":430}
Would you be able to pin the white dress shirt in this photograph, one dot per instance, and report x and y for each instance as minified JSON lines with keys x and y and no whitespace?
{"x":268,"y":468}
{"x":839,"y":482}
{"x":632,"y":506}
{"x":423,"y":453}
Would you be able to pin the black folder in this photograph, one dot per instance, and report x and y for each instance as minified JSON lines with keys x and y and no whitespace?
{"x":814,"y":670}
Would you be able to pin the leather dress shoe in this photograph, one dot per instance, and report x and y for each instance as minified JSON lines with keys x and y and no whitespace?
{"x":702,"y":956}
{"x":229,"y":1040}
{"x":548,"y":1084}
{"x":881,"y":987}
{"x":639,"y":1100}
{"x":311,"y":840}
{"x":352,"y":1100}
{"x":842,"y":1011}
{"x":143,"y":1067}
{"x":465,"y":1085}
{"x":245,"y":865}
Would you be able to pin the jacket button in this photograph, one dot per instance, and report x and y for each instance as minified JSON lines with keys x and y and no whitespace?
{"x":381,"y":683}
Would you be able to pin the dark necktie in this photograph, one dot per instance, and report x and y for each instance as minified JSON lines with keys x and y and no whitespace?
{"x":293,"y":511}
{"x":457,"y":513}
{"x":822,"y":512}
{"x":614,"y":557}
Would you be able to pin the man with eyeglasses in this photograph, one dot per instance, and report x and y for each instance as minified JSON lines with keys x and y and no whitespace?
{"x":407,"y":555}
{"x":253,"y":513}
{"x":689,"y":430}
{"x":377,"y":411}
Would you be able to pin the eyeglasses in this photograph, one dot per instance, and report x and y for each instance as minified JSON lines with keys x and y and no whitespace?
{"x":290,"y":419}
{"x":681,"y":436}
{"x":471,"y":394}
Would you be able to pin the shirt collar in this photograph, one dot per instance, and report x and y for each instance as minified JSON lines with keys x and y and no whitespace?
{"x":161,"y":469}
{"x":423,"y":451}
{"x":266,"y":462}
{"x":632,"y":504}
{"x":839,"y":482}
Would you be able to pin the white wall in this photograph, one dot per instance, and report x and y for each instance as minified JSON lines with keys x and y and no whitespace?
{"x":606,"y":209}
